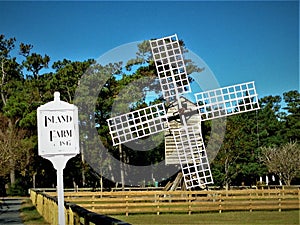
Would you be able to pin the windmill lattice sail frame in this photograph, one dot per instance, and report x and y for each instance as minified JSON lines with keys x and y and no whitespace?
{"x":174,"y":82}
{"x":227,"y":101}
{"x":138,"y":124}
{"x":192,"y":156}
{"x":170,"y":67}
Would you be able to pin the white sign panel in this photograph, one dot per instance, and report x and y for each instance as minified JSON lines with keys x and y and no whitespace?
{"x":58,"y":128}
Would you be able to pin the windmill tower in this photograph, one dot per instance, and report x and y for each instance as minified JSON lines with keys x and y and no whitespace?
{"x":186,"y":137}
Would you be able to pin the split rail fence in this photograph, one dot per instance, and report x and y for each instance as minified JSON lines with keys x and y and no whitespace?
{"x":132,"y":202}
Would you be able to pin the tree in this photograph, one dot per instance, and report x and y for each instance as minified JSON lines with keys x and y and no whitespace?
{"x":20,"y":98}
{"x":88,"y":95}
{"x":10,"y":70}
{"x":237,"y":160}
{"x":10,"y":78}
{"x":270,"y":121}
{"x":35,"y":62}
{"x":292,"y":119}
{"x":283,"y":160}
{"x":14,"y":149}
{"x":67,"y":76}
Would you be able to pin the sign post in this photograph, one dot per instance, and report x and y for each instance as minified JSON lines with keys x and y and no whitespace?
{"x":58,"y":140}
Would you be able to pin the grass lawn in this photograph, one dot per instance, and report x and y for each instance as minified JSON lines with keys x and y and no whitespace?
{"x":225,"y":218}
{"x":29,"y":214}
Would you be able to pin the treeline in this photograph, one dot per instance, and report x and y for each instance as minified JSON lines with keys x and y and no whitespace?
{"x":252,"y":139}
{"x":24,"y":87}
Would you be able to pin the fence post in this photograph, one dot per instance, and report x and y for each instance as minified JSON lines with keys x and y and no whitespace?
{"x":220,"y":202}
{"x":55,"y":212}
{"x":66,"y":212}
{"x":190,"y":207}
{"x":33,"y":197}
{"x":68,"y":216}
{"x":44,"y":207}
{"x":279,"y":199}
{"x":250,"y":201}
{"x":47,"y":208}
{"x":299,"y":194}
{"x":156,"y":197}
{"x":126,"y":205}
{"x":93,"y":202}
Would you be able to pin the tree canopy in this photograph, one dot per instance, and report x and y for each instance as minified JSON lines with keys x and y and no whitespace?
{"x":23,"y":88}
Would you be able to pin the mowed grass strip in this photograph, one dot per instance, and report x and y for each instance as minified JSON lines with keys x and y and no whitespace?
{"x":225,"y":218}
{"x":30,"y":215}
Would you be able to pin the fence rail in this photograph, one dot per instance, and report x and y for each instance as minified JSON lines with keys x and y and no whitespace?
{"x":130,"y":202}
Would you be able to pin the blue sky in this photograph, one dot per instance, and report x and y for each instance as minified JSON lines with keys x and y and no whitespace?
{"x":240,"y":41}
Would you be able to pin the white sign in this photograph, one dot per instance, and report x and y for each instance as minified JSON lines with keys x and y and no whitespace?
{"x":58,"y":140}
{"x":58,"y":128}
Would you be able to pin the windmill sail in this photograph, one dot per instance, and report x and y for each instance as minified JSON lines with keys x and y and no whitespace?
{"x":170,"y":67}
{"x":227,"y":101}
{"x":137,"y":124}
{"x":192,"y":156}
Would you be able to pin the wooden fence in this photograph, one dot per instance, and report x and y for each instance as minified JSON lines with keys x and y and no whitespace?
{"x":46,"y":205}
{"x":130,"y":202}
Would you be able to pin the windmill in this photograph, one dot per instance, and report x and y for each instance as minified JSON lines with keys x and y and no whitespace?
{"x":188,"y":139}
